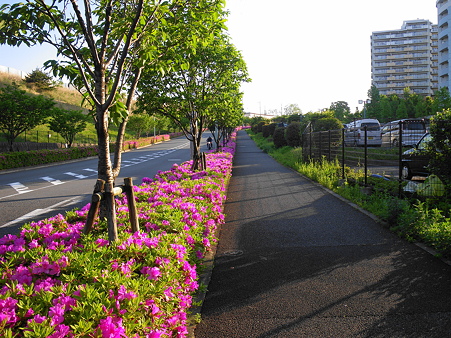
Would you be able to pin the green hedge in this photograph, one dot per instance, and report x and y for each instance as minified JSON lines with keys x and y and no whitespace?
{"x":36,"y":157}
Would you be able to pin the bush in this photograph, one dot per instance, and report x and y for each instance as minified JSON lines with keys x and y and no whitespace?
{"x":59,"y":282}
{"x":279,"y":137}
{"x":293,"y":134}
{"x":440,"y":146}
{"x":260,"y":126}
{"x":37,"y":157}
{"x":41,"y":80}
{"x":265,"y":131}
{"x":327,"y":123}
{"x":268,"y":129}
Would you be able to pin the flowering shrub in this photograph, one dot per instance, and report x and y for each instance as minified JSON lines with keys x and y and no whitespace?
{"x":57,"y":282}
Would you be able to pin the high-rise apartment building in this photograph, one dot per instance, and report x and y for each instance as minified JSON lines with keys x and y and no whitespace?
{"x":407,"y":57}
{"x":444,"y":41}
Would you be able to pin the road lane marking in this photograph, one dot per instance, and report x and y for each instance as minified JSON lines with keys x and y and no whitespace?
{"x":75,"y":175}
{"x":37,"y":212}
{"x":52,"y":180}
{"x":20,"y":188}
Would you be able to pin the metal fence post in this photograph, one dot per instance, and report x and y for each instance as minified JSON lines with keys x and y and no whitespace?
{"x":400,"y":158}
{"x":365,"y":128}
{"x":320,"y":145}
{"x":330,"y":147}
{"x":343,"y":153}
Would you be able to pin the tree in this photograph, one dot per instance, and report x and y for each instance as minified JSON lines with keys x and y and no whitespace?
{"x":20,"y":111}
{"x":104,"y":46}
{"x":386,"y":109}
{"x":311,"y":118}
{"x":68,"y":123}
{"x":292,"y":109}
{"x":373,"y":109}
{"x":295,"y":118}
{"x":440,"y":146}
{"x":228,"y":113}
{"x":140,"y":123}
{"x":41,"y":80}
{"x":401,"y":111}
{"x":327,"y":123}
{"x":193,"y":93}
{"x":341,"y":109}
{"x":442,"y":100}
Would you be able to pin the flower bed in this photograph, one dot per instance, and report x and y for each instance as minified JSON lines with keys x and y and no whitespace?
{"x":57,"y":282}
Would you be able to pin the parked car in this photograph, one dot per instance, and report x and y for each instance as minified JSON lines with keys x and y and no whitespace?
{"x":412,"y":131}
{"x":354,"y":133}
{"x":415,"y":161}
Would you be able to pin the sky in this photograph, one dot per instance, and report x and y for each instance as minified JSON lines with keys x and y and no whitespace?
{"x":309,"y":53}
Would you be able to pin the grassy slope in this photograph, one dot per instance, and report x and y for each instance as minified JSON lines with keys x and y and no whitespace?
{"x":66,"y":99}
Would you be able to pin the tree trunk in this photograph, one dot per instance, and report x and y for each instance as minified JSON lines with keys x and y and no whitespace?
{"x":105,"y":172}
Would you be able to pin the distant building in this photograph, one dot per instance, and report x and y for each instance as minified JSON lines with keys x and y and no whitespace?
{"x":444,"y":42}
{"x":264,"y":115}
{"x":406,"y":57}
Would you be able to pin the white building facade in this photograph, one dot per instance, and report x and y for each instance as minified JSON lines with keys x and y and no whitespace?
{"x":444,"y":35}
{"x":406,"y":57}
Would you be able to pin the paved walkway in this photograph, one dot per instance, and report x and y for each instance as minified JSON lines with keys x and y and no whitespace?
{"x":294,"y":260}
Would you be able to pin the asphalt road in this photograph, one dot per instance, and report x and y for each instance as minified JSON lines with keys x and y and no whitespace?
{"x":30,"y":194}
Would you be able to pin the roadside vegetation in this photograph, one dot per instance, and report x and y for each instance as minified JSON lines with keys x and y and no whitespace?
{"x":60,"y":282}
{"x":417,"y":219}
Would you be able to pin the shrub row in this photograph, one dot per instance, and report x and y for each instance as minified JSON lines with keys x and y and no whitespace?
{"x":57,"y":282}
{"x":280,"y":135}
{"x":35,"y":157}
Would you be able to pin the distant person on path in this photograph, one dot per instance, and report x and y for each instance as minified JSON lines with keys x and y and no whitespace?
{"x":209,"y":142}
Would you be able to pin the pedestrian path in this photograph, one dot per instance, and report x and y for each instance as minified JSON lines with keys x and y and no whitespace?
{"x":294,"y":260}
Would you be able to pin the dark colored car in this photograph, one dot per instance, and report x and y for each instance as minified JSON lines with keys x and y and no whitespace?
{"x":415,"y":161}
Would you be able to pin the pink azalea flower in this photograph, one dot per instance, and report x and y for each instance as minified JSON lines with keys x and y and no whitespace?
{"x":101,"y":242}
{"x":122,"y":293}
{"x":39,"y":319}
{"x":152,"y":273}
{"x":61,"y":331}
{"x":8,"y":315}
{"x":111,"y":327}
{"x":56,"y":313}
{"x":155,"y":334}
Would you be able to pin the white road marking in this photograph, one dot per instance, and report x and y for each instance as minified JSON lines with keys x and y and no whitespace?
{"x":38,"y":212}
{"x":52,"y":180}
{"x":19,"y":187}
{"x":75,"y":175}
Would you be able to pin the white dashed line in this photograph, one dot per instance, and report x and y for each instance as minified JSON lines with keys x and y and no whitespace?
{"x":75,"y":175}
{"x":19,"y":187}
{"x":52,"y":180}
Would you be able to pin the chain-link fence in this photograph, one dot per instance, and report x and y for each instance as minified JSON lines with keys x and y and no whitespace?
{"x":41,"y":139}
{"x":400,"y":154}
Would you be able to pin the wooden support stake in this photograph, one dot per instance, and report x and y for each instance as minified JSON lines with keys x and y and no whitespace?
{"x":110,"y":208}
{"x":204,"y":161}
{"x":95,"y":204}
{"x":133,"y":213}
